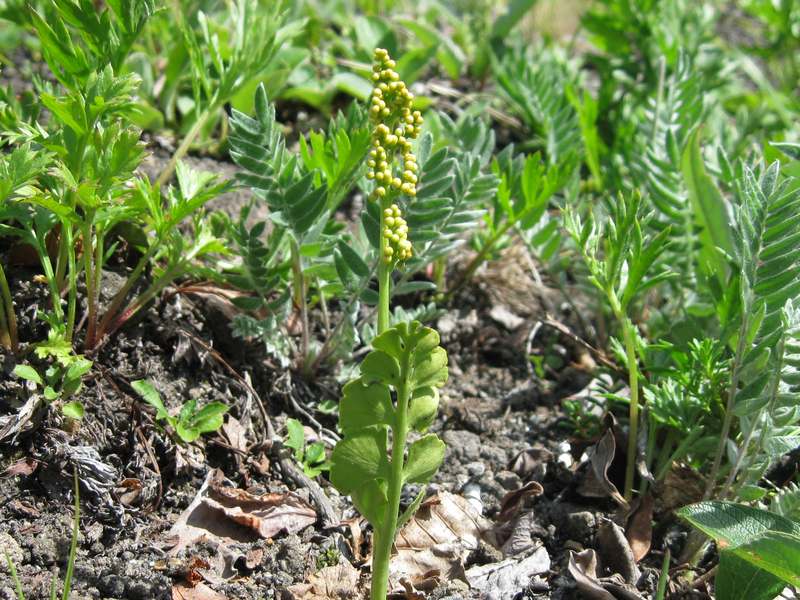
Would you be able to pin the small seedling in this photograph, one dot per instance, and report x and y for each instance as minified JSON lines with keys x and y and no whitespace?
{"x":312,"y":456}
{"x":191,"y":422}
{"x":63,"y":377}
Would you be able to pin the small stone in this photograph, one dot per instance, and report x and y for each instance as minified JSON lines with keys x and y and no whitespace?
{"x":12,"y":548}
{"x":580,"y":525}
{"x":502,"y":315}
{"x":464,"y":446}
{"x":476,"y":469}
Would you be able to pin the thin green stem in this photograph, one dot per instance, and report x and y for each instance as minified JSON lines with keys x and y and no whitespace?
{"x":72,"y":291}
{"x":299,"y":293}
{"x":187,"y":142}
{"x":119,"y":297}
{"x":88,"y":274}
{"x":727,"y":421}
{"x":629,"y":337}
{"x":479,"y":259}
{"x":385,"y":539}
{"x":8,"y":320}
{"x":142,"y":299}
{"x":47,"y":267}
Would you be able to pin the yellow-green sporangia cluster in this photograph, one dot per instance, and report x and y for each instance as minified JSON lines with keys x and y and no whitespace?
{"x":391,"y":162}
{"x":396,"y":246}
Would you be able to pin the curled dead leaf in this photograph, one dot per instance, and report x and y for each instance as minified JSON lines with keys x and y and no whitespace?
{"x":531,"y":463}
{"x":513,"y":500}
{"x":639,"y":531}
{"x":506,"y":578}
{"x":583,"y":568}
{"x":615,"y":551}
{"x":596,"y":483}
{"x":24,"y":466}
{"x":227,"y":514}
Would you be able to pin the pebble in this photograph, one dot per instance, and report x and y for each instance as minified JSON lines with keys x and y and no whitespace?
{"x":476,"y":469}
{"x":463,"y":446}
{"x":580,"y":525}
{"x":12,"y":548}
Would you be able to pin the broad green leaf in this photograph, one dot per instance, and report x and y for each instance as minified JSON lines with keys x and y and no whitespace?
{"x":710,"y":209}
{"x":735,"y":524}
{"x":424,"y":457}
{"x":506,"y":22}
{"x":776,"y":552}
{"x":29,"y":373}
{"x":210,"y":417}
{"x":365,"y":406}
{"x":149,"y":394}
{"x":370,"y":500}
{"x":379,"y":367}
{"x":295,"y":436}
{"x":186,"y":432}
{"x":359,"y":459}
{"x":737,"y":579}
{"x":422,"y":408}
{"x":74,"y":410}
{"x":430,"y":369}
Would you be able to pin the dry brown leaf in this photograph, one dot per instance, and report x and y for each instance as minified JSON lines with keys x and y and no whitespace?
{"x":531,"y":463}
{"x":583,"y":568}
{"x":596,"y":483}
{"x":199,"y":592}
{"x":512,"y":501}
{"x":236,"y":434}
{"x":433,"y":544}
{"x":615,"y":552}
{"x":339,"y":582}
{"x":224,"y":514}
{"x":24,"y":466}
{"x":506,"y":578}
{"x":640,"y":527}
{"x":681,"y":486}
{"x":128,"y":491}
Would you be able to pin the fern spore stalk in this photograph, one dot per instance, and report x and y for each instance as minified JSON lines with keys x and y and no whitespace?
{"x":397,"y":389}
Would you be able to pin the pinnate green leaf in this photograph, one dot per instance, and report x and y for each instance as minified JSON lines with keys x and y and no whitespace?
{"x":359,"y":459}
{"x":423,"y":407}
{"x":365,"y":406}
{"x":424,"y":457}
{"x":380,"y":367}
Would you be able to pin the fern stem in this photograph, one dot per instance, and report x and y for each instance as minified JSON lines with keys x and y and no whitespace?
{"x":385,"y":540}
{"x":72,"y":285}
{"x":479,"y":259}
{"x":119,"y":297}
{"x":773,"y":393}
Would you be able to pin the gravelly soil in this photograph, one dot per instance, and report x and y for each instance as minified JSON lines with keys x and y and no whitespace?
{"x":492,"y":409}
